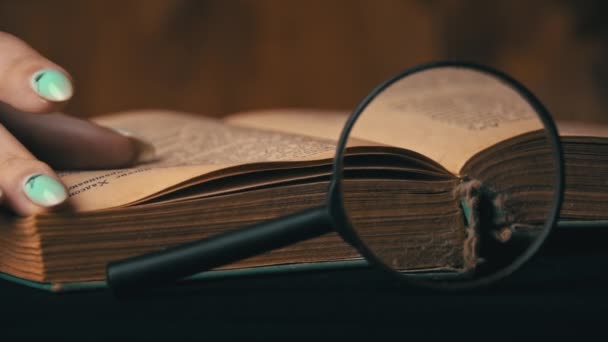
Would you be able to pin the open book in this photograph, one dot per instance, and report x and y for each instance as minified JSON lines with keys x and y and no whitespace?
{"x":214,"y":175}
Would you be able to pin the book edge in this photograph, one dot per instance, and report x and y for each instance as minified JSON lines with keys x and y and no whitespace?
{"x":208,"y":275}
{"x":252,"y":271}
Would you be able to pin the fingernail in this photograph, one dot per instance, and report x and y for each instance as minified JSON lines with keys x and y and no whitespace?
{"x":52,"y":85}
{"x":145,"y":151}
{"x":44,"y":190}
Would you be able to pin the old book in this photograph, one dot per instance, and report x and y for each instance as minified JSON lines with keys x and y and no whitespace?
{"x":214,"y":175}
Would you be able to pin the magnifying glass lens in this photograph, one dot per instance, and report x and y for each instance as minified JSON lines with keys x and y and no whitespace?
{"x":450,"y":170}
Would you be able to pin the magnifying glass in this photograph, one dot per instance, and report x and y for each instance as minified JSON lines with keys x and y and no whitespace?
{"x":473,"y":181}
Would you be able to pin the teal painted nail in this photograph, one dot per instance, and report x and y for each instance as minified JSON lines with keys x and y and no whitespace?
{"x":466,"y":211}
{"x":44,"y":190}
{"x":52,"y":85}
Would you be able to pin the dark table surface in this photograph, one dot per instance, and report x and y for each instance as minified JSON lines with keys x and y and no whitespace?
{"x":552,"y":296}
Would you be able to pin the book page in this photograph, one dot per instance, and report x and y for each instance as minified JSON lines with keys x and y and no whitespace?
{"x":325,"y":124}
{"x":446,"y":114}
{"x":187,"y":146}
{"x":329,"y":124}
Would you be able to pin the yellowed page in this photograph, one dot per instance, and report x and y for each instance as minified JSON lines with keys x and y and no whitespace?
{"x":315,"y":123}
{"x":325,"y":124}
{"x":446,"y":114}
{"x":187,"y":146}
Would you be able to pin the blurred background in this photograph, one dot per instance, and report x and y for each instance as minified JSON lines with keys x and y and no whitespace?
{"x":217,"y":57}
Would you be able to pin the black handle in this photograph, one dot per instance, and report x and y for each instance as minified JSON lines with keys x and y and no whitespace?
{"x":156,"y":268}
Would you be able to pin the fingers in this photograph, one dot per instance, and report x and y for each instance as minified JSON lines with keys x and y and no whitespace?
{"x":66,"y":142}
{"x":29,"y":84}
{"x":28,"y":81}
{"x":28,"y":185}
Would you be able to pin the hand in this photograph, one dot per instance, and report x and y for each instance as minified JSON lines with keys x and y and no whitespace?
{"x":30,"y":143}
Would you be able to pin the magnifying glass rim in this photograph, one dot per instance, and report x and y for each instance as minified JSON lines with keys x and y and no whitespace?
{"x":349,"y":233}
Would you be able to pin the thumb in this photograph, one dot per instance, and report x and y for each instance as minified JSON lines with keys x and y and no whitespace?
{"x":28,"y":81}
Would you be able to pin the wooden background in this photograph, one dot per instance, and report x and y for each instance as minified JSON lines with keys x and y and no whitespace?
{"x":222,"y":56}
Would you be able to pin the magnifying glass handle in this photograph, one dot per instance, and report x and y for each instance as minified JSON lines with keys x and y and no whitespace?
{"x":148,"y":270}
